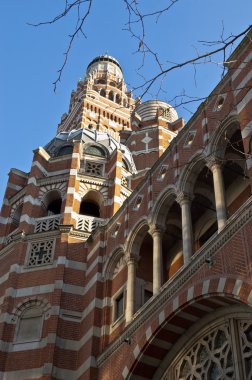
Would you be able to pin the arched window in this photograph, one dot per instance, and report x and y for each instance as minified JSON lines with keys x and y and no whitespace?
{"x":95,"y":150}
{"x":67,"y":149}
{"x":103,"y":93}
{"x":111,"y":95}
{"x":221,"y":351}
{"x":118,"y":99}
{"x":29,"y":326}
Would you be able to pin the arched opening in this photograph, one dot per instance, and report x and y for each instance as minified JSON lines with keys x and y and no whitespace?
{"x":90,"y":208}
{"x":111,"y":95}
{"x":67,"y":149}
{"x":118,"y":99}
{"x":144,"y":272}
{"x":208,"y":339}
{"x":203,"y":210}
{"x":15,"y":219}
{"x":91,"y":204}
{"x":172,"y":244}
{"x":218,"y":348}
{"x":235,"y":176}
{"x":52,"y":203}
{"x":103,"y":93}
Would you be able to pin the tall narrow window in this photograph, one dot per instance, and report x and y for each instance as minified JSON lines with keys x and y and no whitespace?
{"x":119,"y":307}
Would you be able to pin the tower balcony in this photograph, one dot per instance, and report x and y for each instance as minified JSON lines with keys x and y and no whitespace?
{"x":47,"y":223}
{"x":89,"y":223}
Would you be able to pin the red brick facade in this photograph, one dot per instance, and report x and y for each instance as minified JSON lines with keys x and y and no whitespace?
{"x":128,"y":244}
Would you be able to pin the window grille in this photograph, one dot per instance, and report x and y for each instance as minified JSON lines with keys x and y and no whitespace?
{"x":40,"y":253}
{"x":94,"y":168}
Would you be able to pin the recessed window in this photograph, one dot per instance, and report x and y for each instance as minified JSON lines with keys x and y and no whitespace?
{"x":138,"y":202}
{"x":95,"y":150}
{"x":162,"y":173}
{"x":29,"y":326}
{"x":103,"y":93}
{"x":68,"y":149}
{"x":190,"y":138}
{"x":220,"y":102}
{"x":116,"y":229}
{"x":119,"y":307}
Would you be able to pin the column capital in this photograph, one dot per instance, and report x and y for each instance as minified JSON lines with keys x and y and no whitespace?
{"x":130,"y":259}
{"x":183,"y":198}
{"x":156,"y":229}
{"x":213,"y":162}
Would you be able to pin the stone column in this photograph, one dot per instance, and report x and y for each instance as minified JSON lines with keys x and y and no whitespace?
{"x":157,"y":233}
{"x":187,"y":235}
{"x":219,"y":193}
{"x":130,"y":301}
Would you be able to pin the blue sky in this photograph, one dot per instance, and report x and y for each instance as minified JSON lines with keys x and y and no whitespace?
{"x":30,"y":58}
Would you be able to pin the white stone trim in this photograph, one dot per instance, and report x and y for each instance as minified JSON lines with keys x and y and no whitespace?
{"x":247,"y":130}
{"x":221,"y":285}
{"x":99,"y":259}
{"x":237,"y":287}
{"x":27,"y":219}
{"x":242,"y":65}
{"x":32,"y":180}
{"x":247,"y":98}
{"x":242,"y":84}
{"x":33,"y":201}
{"x":190,"y":293}
{"x":205,"y":286}
{"x":13,"y":186}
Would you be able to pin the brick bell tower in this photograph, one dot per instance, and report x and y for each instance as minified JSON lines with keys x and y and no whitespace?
{"x":103,"y":148}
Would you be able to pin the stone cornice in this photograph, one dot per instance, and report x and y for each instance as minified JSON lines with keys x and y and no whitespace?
{"x":209,"y":250}
{"x":19,"y":172}
{"x":79,"y":234}
{"x":94,"y":181}
{"x":52,"y":180}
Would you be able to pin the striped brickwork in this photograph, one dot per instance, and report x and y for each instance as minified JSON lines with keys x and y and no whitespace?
{"x":77,"y":288}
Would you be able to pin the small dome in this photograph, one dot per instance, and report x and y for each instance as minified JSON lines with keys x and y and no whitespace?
{"x":148,"y":110}
{"x":105,"y":63}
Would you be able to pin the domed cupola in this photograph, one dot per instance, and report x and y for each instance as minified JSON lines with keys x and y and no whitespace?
{"x":151,"y":109}
{"x":105,"y":64}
